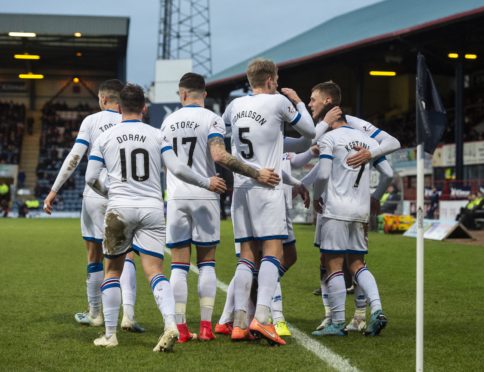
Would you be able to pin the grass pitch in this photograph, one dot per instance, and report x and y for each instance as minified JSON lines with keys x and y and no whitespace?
{"x":42,"y":285}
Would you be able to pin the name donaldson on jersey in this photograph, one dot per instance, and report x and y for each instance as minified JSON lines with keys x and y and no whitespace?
{"x":354,"y":144}
{"x":130,"y":137}
{"x":250,"y":115}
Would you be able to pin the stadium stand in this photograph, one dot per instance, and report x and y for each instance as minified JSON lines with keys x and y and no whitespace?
{"x":12,"y":127}
{"x":60,"y":124}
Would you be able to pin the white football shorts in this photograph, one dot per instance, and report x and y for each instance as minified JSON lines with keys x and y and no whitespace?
{"x":194,"y":221}
{"x":259,"y":214}
{"x":129,"y":228}
{"x":92,"y":218}
{"x":341,"y":237}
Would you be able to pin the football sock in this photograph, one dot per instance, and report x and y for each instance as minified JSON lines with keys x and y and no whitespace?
{"x":228,"y":312}
{"x":178,"y":281}
{"x":95,"y":276}
{"x":336,"y":296}
{"x":164,"y":299}
{"x":128,"y":288}
{"x":267,"y":279}
{"x":242,"y":286}
{"x":276,"y":305}
{"x":360,"y":302}
{"x":324,"y":292}
{"x":367,"y":282}
{"x":207,"y":288}
{"x":111,"y":299}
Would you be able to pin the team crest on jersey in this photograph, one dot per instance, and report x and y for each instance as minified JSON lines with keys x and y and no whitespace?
{"x":291,"y":109}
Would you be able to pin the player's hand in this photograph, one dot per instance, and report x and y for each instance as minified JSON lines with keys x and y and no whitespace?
{"x":303,"y":191}
{"x":268,"y":177}
{"x":318,"y":205}
{"x":361,"y":157}
{"x":291,"y":94}
{"x":374,"y":206}
{"x":333,"y":115}
{"x":315,"y":151}
{"x":217,"y":185}
{"x":49,"y":201}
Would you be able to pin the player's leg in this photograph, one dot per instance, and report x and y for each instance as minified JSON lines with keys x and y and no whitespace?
{"x":149,"y":242}
{"x":225,"y":323}
{"x":92,"y":236}
{"x":324,"y":293}
{"x":207,"y":289}
{"x":180,"y":266}
{"x":246,"y":266}
{"x":243,"y":279}
{"x":111,"y":299}
{"x":205,"y":236}
{"x":334,"y":240}
{"x":358,"y":322}
{"x":364,"y":278}
{"x":119,"y":224}
{"x":128,"y":291}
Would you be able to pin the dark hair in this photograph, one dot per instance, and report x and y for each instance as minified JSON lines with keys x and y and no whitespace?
{"x":111,"y":89}
{"x":331,"y":89}
{"x":192,"y":81}
{"x":132,"y":99}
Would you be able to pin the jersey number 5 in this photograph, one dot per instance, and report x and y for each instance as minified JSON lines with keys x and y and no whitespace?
{"x":192,"y":141}
{"x":250,"y":154}
{"x":134,"y":170}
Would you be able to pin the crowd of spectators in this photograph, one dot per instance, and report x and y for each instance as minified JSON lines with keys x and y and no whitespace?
{"x":60,"y":125}
{"x":12,"y":123}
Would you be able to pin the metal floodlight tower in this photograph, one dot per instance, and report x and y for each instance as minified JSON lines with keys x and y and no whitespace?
{"x":184,"y":33}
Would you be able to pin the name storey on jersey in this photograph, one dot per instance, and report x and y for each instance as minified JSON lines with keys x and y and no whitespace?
{"x":105,"y":127}
{"x":130,"y":137}
{"x":183,"y":125}
{"x":354,"y":144}
{"x":250,"y":115}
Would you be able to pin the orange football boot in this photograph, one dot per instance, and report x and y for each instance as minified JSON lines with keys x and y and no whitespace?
{"x":267,"y":331}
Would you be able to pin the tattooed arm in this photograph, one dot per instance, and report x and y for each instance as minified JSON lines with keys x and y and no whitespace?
{"x":221,"y":156}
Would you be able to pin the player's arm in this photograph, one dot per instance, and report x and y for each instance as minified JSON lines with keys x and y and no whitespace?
{"x":386,"y":178}
{"x":302,"y":122}
{"x":324,"y":167}
{"x":301,"y":144}
{"x":184,"y":173}
{"x":94,"y":168}
{"x":300,"y":160}
{"x":68,"y":167}
{"x":219,"y":155}
{"x":297,"y":188}
{"x":387,"y":143}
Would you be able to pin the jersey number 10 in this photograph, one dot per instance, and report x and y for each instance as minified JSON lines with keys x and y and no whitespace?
{"x":134,"y":170}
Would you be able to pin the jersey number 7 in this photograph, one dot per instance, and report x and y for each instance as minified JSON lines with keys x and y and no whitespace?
{"x":192,"y":141}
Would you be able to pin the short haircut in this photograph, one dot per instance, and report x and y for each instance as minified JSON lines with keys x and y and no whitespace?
{"x":259,"y":70}
{"x":331,"y":89}
{"x":192,"y":82}
{"x":132,"y":99}
{"x":111,"y":89}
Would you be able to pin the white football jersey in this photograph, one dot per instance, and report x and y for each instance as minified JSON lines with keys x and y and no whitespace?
{"x":286,"y":167}
{"x":188,"y":131}
{"x":131,"y":152}
{"x":363,"y":126}
{"x":91,"y":128}
{"x":257,"y":123}
{"x":347,"y":193}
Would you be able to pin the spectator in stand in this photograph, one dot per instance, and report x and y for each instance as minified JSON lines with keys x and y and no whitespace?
{"x":21,"y":179}
{"x":434,"y":203}
{"x":389,"y":201}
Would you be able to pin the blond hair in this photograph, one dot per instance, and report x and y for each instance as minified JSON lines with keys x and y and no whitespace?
{"x":259,"y":70}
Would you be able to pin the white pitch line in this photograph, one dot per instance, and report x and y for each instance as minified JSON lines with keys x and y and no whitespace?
{"x":326,"y":355}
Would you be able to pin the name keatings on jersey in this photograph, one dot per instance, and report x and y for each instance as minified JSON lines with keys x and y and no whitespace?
{"x":350,"y":146}
{"x":105,"y":127}
{"x":131,"y":137}
{"x":250,"y":115}
{"x":184,"y":124}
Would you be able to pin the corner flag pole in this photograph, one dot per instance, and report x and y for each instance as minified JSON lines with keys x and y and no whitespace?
{"x":420,"y":238}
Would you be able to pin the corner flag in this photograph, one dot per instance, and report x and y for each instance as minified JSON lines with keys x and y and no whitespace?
{"x":431,"y":115}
